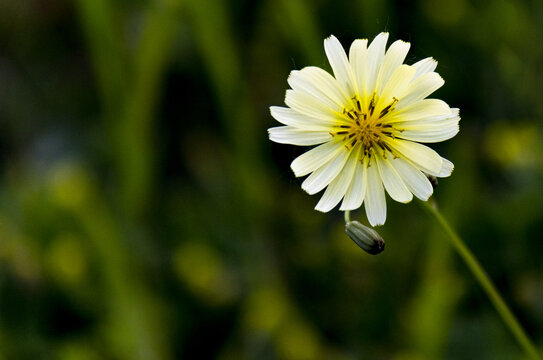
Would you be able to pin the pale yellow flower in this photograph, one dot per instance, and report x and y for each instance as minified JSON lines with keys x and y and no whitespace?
{"x":367,"y":121}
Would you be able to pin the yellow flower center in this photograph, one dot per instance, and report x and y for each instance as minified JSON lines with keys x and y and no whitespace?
{"x":366,"y":126}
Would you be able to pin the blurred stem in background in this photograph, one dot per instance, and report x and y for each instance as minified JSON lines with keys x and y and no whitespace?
{"x":134,"y":135}
{"x":104,"y":42}
{"x":431,"y":311}
{"x":129,"y":87}
{"x":131,"y":326}
{"x":220,"y":52}
{"x":482,"y":278}
{"x":300,"y":27}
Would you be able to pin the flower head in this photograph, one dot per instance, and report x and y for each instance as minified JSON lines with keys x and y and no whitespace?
{"x":368,"y":121}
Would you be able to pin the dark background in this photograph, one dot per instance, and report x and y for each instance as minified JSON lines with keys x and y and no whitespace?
{"x":144,"y":214}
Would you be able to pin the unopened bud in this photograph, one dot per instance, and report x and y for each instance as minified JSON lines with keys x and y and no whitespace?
{"x":366,"y":238}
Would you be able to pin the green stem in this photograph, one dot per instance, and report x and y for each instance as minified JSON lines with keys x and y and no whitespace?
{"x":485,"y":282}
{"x":347,"y":216}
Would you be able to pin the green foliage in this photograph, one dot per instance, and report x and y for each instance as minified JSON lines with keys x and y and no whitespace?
{"x":145,"y":215}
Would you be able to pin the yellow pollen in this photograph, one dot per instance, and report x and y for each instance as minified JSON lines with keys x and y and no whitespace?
{"x":366,"y":127}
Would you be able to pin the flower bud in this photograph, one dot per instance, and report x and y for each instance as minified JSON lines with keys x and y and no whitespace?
{"x":366,"y":238}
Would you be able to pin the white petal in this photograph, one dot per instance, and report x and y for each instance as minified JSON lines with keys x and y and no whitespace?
{"x":394,"y":184}
{"x":425,"y":66}
{"x":397,"y":85}
{"x":293,"y":118}
{"x":374,"y":201}
{"x":413,"y":178}
{"x":447,"y":168}
{"x":394,"y":57}
{"x":430,"y":130}
{"x":339,"y":63}
{"x":421,"y":87}
{"x":376,"y":53}
{"x":421,"y":109}
{"x":356,"y":192}
{"x":310,"y":106}
{"x":321,"y":177}
{"x":294,"y":136}
{"x":315,"y":158}
{"x":337,"y":188}
{"x":358,"y":58}
{"x":422,"y":156}
{"x":318,"y":83}
{"x":430,"y":133}
{"x":444,"y":117}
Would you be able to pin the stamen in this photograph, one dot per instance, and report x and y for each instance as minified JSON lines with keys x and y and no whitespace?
{"x":366,"y":129}
{"x":388,"y":108}
{"x":384,"y":111}
{"x":372,"y":105}
{"x":385,"y":145}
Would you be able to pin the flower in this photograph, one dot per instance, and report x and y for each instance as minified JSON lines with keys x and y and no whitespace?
{"x":368,"y":121}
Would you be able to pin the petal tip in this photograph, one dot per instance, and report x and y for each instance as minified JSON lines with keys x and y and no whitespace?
{"x":323,"y":209}
{"x":274,"y":111}
{"x":374,"y":222}
{"x":446,"y":169}
{"x":295,"y":169}
{"x":346,"y":208}
{"x":330,"y":38}
{"x":305,"y":187}
{"x":425,"y":197}
{"x":408,"y":200}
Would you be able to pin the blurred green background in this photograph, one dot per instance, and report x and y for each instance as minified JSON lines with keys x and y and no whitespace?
{"x":144,"y":214}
